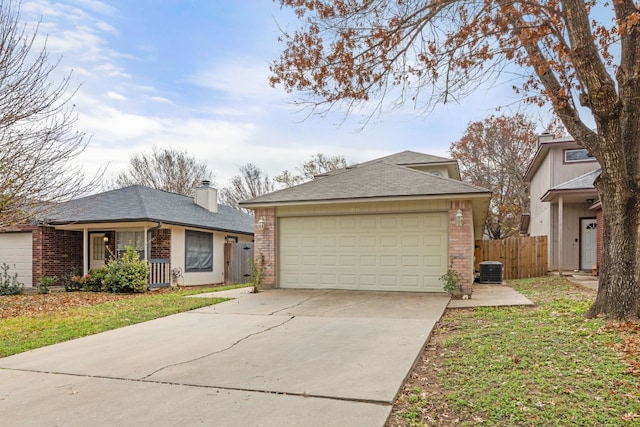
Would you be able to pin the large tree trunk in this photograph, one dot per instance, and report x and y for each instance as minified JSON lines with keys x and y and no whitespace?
{"x":618,"y":293}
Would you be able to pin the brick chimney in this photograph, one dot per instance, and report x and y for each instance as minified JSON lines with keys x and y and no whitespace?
{"x":207,"y":196}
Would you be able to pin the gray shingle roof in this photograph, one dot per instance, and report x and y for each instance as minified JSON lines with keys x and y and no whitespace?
{"x":139,"y":203}
{"x":582,"y":182}
{"x":370,"y":180}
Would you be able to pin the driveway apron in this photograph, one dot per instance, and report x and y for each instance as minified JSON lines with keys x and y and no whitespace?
{"x":276,"y":358}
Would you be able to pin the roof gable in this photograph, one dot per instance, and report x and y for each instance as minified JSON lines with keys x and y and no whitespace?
{"x":139,"y":203}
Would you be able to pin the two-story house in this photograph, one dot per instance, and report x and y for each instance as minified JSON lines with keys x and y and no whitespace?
{"x":562,"y":195}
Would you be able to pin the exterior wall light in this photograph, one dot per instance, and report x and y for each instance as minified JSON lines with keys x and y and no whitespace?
{"x":261,"y":223}
{"x":459,"y":219}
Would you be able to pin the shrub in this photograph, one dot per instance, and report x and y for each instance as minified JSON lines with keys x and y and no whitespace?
{"x":94,"y":281}
{"x":9,"y":284}
{"x":71,"y":281}
{"x":127,"y":274}
{"x":44,"y":284}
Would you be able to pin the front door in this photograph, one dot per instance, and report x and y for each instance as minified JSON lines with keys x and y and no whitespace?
{"x":588,"y":236}
{"x":96,"y":251}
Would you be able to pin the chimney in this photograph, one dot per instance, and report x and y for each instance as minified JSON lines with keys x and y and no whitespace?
{"x":207,"y":196}
{"x":545,"y":137}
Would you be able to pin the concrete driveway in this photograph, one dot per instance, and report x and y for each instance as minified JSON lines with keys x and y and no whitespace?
{"x":277,"y":358}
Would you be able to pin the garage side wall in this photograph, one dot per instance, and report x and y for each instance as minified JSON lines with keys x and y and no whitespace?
{"x":264,"y":251}
{"x":461,"y":241}
{"x":56,"y":253}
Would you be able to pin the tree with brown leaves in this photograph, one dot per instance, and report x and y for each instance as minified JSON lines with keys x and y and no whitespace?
{"x":580,"y":57}
{"x":494,"y":154}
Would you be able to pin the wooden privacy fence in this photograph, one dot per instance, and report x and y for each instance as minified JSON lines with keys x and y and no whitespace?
{"x":238,"y":265}
{"x":521,"y":257}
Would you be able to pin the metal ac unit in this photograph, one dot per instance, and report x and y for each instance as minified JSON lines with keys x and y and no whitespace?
{"x":490,"y":272}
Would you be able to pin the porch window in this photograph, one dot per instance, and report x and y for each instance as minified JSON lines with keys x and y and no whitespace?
{"x":135,"y":239}
{"x":198,"y":251}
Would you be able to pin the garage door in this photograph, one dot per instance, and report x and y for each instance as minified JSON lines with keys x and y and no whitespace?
{"x":399,"y":252}
{"x":15,"y":250}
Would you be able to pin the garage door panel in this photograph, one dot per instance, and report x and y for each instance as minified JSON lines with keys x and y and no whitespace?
{"x":369,"y":252}
{"x":16,"y":251}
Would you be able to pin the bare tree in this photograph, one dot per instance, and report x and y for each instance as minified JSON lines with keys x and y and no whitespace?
{"x":165,"y":169}
{"x":38,"y":143}
{"x":569,"y":53}
{"x":494,"y":154}
{"x":318,"y":164}
{"x":251,"y":182}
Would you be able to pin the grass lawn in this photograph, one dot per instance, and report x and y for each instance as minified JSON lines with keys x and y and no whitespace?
{"x":518,"y":366}
{"x":32,"y":321}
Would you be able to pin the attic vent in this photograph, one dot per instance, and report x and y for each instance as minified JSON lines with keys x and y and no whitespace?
{"x":490,"y":272}
{"x":206,"y":182}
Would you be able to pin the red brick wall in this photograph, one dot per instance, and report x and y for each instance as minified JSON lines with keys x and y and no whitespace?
{"x":56,"y":253}
{"x":265,"y":245}
{"x":161,"y":243}
{"x":461,"y":242}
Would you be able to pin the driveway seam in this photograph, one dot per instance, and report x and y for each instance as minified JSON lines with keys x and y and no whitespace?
{"x":216,"y":387}
{"x":221,"y":350}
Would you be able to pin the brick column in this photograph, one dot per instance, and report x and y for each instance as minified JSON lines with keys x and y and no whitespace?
{"x":461,"y":242}
{"x":265,"y":245}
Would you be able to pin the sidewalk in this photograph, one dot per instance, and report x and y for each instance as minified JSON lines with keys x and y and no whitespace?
{"x":491,"y":295}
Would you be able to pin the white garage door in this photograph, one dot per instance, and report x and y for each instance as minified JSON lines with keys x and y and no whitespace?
{"x":15,"y":250}
{"x":399,"y":252}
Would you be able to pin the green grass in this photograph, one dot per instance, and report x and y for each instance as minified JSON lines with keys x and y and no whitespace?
{"x":545,"y":365}
{"x":19,"y":334}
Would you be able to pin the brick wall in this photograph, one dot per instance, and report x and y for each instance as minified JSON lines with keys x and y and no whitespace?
{"x":161,"y":243}
{"x":56,"y":253}
{"x":265,"y":245}
{"x":461,"y":242}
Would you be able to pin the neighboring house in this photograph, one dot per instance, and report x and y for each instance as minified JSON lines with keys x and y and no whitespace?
{"x":562,"y":193}
{"x":392,"y":224}
{"x":177,"y":232}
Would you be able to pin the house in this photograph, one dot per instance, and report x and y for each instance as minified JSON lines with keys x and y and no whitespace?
{"x":396,"y":223}
{"x":178,"y":233}
{"x":562,"y":193}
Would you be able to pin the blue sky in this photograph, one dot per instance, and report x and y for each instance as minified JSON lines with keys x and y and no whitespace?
{"x":193,"y":75}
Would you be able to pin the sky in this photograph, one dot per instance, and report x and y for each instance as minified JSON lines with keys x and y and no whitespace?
{"x":193,"y":75}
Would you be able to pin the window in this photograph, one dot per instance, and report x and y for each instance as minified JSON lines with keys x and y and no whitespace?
{"x":135,"y":239}
{"x":198,"y":251}
{"x":578,"y":155}
{"x":98,"y":248}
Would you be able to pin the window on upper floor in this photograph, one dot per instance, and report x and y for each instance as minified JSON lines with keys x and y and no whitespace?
{"x":578,"y":155}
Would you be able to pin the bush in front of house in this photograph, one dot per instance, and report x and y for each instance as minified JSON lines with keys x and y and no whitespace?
{"x":127,"y":274}
{"x":9,"y":284}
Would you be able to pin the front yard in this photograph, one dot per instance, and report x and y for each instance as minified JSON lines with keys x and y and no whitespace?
{"x":518,"y":366}
{"x":32,"y":321}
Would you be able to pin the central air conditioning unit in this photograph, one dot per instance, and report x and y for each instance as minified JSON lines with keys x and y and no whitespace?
{"x":490,"y":272}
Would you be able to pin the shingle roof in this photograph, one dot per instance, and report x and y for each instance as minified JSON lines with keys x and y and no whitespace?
{"x":370,"y":180}
{"x":139,"y":203}
{"x":582,"y":182}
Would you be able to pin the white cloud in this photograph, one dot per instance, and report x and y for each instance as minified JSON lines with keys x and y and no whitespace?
{"x":244,"y":78}
{"x":116,"y":96}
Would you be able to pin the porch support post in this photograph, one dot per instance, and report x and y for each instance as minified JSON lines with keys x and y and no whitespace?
{"x":86,"y":251}
{"x":560,"y":233}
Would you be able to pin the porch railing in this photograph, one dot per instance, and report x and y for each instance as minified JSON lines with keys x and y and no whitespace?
{"x":159,"y":273}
